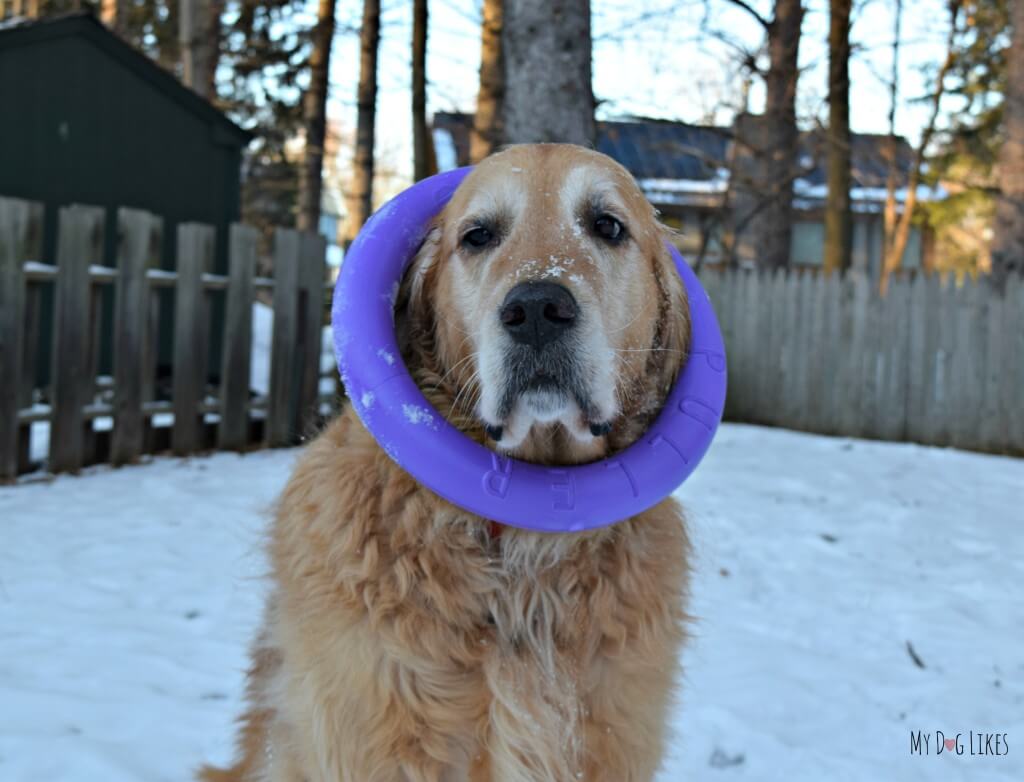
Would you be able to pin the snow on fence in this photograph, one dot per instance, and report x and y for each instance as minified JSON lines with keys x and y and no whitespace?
{"x":932,"y":362}
{"x":94,"y":419}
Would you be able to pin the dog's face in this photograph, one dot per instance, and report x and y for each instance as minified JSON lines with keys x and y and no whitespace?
{"x":545,"y":300}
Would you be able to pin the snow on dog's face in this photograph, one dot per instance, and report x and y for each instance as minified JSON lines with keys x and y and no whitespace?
{"x":552,"y":304}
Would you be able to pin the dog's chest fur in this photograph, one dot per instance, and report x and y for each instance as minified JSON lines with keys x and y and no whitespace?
{"x":508,"y":635}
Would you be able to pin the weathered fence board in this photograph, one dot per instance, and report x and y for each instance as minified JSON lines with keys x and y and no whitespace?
{"x":191,"y":335}
{"x":79,"y":246}
{"x":233,"y":431}
{"x":989,"y":429}
{"x":313,"y":251}
{"x":871,"y":391}
{"x":759,"y":370}
{"x":800,"y":403}
{"x":281,"y":404}
{"x":936,"y":303}
{"x":18,"y":224}
{"x":139,"y":236}
{"x":769,"y":362}
{"x":945,"y":396}
{"x":934,"y":361}
{"x":816,"y":384}
{"x":31,"y":347}
{"x":832,"y":355}
{"x":90,"y":438}
{"x":893,"y":423}
{"x":918,"y":358}
{"x":1013,"y":359}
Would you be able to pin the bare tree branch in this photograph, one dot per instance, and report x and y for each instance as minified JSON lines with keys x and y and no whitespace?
{"x":752,"y":11}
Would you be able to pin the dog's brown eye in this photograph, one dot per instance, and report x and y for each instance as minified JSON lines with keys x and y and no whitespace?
{"x":607,"y":227}
{"x":478,"y":237}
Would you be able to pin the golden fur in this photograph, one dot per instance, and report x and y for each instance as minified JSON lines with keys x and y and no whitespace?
{"x":402,"y":641}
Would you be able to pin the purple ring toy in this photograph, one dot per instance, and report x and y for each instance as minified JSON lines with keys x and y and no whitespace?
{"x":421,"y":441}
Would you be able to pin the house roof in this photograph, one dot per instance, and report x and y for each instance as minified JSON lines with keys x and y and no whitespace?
{"x":650,"y":149}
{"x":656,"y":149}
{"x":27,"y":32}
{"x":869,"y":159}
{"x":676,"y":162}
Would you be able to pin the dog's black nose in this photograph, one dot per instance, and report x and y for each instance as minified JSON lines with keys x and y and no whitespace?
{"x":536,"y":313}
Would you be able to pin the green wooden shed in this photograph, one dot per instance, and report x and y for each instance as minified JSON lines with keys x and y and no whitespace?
{"x":86,"y":118}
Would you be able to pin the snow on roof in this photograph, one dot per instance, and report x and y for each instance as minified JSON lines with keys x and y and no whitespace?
{"x":806,"y":191}
{"x":807,"y":196}
{"x":680,"y":192}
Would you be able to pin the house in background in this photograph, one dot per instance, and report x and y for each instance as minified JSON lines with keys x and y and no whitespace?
{"x":684,"y":170}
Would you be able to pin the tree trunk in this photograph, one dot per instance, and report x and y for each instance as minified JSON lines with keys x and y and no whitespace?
{"x":895,"y":240}
{"x":838,"y":220}
{"x":774,"y":225}
{"x":26,"y":8}
{"x":199,"y":35}
{"x":889,"y":213}
{"x":424,"y":163}
{"x":110,"y":14}
{"x":361,"y":192}
{"x":314,"y":119}
{"x":548,"y":92}
{"x":1008,"y":240}
{"x":488,"y":127}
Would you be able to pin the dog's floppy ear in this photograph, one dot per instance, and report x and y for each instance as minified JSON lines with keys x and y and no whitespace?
{"x":414,"y":317}
{"x":672,"y":337}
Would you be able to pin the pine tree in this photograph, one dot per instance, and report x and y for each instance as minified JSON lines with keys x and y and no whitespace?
{"x":265,"y":51}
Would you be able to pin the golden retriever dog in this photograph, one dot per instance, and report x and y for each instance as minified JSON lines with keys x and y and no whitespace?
{"x":407,"y":640}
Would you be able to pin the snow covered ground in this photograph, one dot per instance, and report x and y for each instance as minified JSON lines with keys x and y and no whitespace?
{"x":128,"y":597}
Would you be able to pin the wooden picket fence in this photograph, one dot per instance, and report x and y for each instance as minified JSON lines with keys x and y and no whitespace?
{"x":933,"y":362}
{"x":230,"y":418}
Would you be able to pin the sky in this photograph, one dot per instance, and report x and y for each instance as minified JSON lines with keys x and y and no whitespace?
{"x":653,"y":58}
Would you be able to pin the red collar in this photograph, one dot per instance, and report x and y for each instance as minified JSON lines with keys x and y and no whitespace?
{"x":495,"y":528}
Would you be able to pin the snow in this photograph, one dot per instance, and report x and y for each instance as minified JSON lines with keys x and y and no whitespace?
{"x":444,"y":150}
{"x":262,"y":340}
{"x":37,"y":267}
{"x":128,"y":598}
{"x":553,"y":271}
{"x":416,"y":415}
{"x":801,"y":187}
{"x":716,"y":185}
{"x":864,"y":199}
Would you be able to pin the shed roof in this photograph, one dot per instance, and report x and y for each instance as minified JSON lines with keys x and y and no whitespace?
{"x":28,"y":32}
